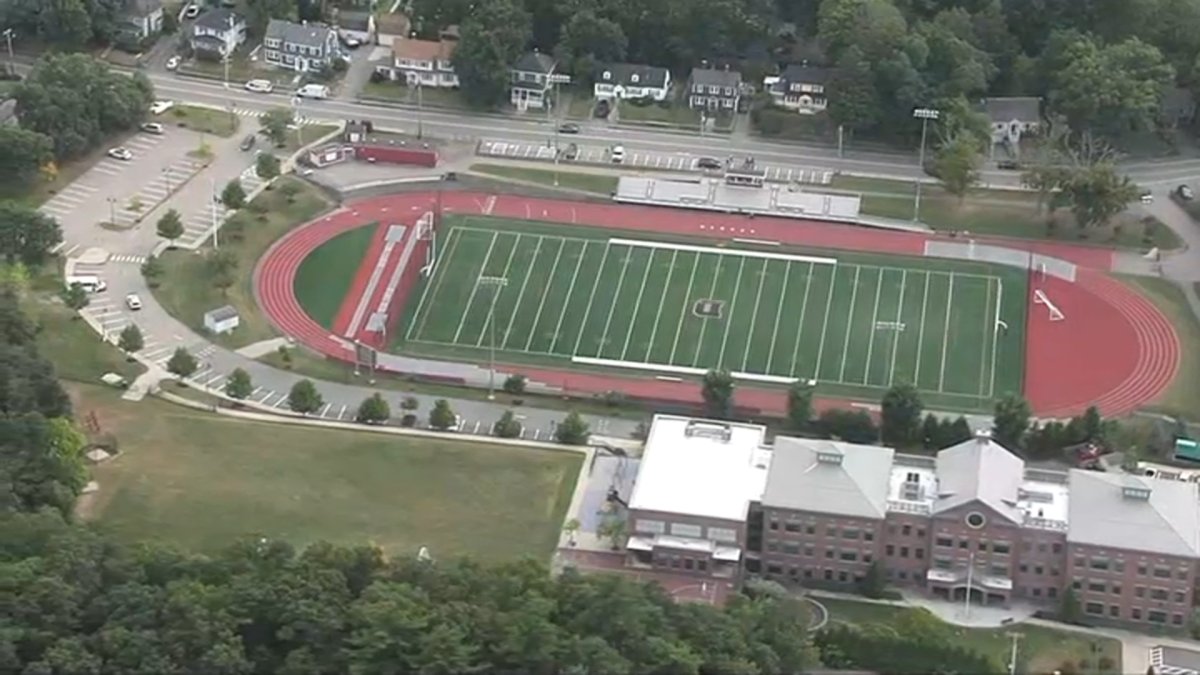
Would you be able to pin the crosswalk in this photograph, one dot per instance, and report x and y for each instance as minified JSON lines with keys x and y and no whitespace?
{"x":256,"y":114}
{"x":127,"y":258}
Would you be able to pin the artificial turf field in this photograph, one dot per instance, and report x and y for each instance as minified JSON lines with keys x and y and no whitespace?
{"x":856,"y":323}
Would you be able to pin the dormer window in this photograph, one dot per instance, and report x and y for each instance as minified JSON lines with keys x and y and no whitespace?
{"x":607,"y":75}
{"x":633,"y":78}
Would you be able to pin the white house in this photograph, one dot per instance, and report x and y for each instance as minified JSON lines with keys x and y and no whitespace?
{"x":712,"y":89}
{"x":218,"y":32}
{"x":800,"y":87}
{"x":632,"y":81}
{"x":424,"y":62}
{"x":300,"y":46}
{"x":531,"y":79}
{"x":1012,"y":117}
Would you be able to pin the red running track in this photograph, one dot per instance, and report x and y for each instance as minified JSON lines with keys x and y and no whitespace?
{"x":1115,"y":350}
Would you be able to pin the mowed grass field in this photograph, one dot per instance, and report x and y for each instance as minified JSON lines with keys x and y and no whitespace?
{"x":856,"y":324}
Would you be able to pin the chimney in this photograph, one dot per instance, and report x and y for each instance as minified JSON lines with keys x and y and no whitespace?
{"x":982,"y":436}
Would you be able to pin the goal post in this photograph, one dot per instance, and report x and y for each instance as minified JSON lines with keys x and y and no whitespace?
{"x":1039,"y":298}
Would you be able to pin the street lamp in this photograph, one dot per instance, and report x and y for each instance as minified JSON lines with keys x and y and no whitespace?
{"x":296,"y":119}
{"x":923,"y":114}
{"x":9,"y":35}
{"x":556,"y":120}
{"x":496,"y":284}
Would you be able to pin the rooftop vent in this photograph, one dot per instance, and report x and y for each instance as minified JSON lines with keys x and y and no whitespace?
{"x":1136,"y":492}
{"x":711,"y":430}
{"x":1035,"y":496}
{"x":829,"y":457}
{"x":982,"y":436}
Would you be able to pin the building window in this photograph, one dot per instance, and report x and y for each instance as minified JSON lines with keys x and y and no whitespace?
{"x":843,"y":577}
{"x":1037,"y":569}
{"x":774,"y":569}
{"x":1053,"y":571}
{"x":1161,"y":572}
{"x":1141,"y":569}
{"x":889,"y":550}
{"x":941,"y":563}
{"x":1116,"y":589}
{"x":866,"y":558}
{"x":808,"y":551}
{"x":650,"y":526}
{"x":791,"y":548}
{"x":1181,"y":574}
{"x":868,"y":535}
{"x":1001,"y":547}
{"x":688,"y":563}
{"x":903,"y":575}
{"x":1156,"y":616}
{"x":792,"y":527}
{"x":975,"y":520}
{"x":964,"y":543}
{"x":685,"y":530}
{"x":1023,"y":568}
{"x":1097,"y":587}
{"x":831,"y":531}
{"x":829,"y":553}
{"x":1119,"y":566}
{"x":1101,"y":564}
{"x":1056,"y":548}
{"x":774,"y":525}
{"x":702,"y":565}
{"x":1051,"y":592}
{"x":1139,"y":591}
{"x":944,"y":541}
{"x":723,"y":534}
{"x":1159,"y":594}
{"x":807,"y":574}
{"x":983,"y":546}
{"x":906,"y":530}
{"x":811,"y":529}
{"x":849,"y":556}
{"x":919,"y":553}
{"x":1177,"y":619}
{"x":920,"y":533}
{"x":850,"y":533}
{"x":1093,"y":608}
{"x":1079,"y":562}
{"x":1178,"y":596}
{"x":1114,"y":611}
{"x":828,"y":575}
{"x":1135,"y":614}
{"x":903,"y":551}
{"x":1037,"y":592}
{"x":999,"y":570}
{"x":772,"y":547}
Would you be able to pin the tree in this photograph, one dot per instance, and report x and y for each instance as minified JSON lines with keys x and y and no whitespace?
{"x":275,"y":123}
{"x":266,"y":166}
{"x":239,"y":385}
{"x":614,"y":528}
{"x":373,"y":410}
{"x":900,"y":416}
{"x":222,"y":268}
{"x":170,"y":226}
{"x":587,"y":41}
{"x":304,"y":398}
{"x":493,"y":37}
{"x":1092,"y":424}
{"x":441,"y":416}
{"x":874,"y":582}
{"x":1068,"y":606}
{"x":1010,"y":421}
{"x":234,"y":195}
{"x":1110,"y":89}
{"x":507,"y":426}
{"x":851,"y":426}
{"x":853,"y":100}
{"x":26,"y":234}
{"x":571,"y":528}
{"x":572,"y":430}
{"x":130,"y":340}
{"x":957,"y":166}
{"x":1097,"y":193}
{"x":410,"y":403}
{"x":75,"y":297}
{"x":182,"y":364}
{"x":799,"y":406}
{"x":260,"y":12}
{"x":717,"y":391}
{"x":515,"y":384}
{"x":23,"y":153}
{"x":152,"y":270}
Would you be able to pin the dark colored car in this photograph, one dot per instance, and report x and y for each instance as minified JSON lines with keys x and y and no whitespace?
{"x":708,"y":163}
{"x":571,"y":152}
{"x":1008,"y":165}
{"x":247,"y":142}
{"x":568,"y":128}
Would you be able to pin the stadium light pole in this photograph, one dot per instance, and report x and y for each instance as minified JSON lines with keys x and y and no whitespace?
{"x":496,"y":283}
{"x":923,"y":114}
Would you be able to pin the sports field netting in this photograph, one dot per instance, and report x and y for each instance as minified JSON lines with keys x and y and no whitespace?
{"x":857,"y":327}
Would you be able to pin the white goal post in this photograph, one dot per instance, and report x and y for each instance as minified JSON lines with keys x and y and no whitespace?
{"x":1039,"y":298}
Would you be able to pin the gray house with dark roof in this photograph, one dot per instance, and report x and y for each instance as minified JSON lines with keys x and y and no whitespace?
{"x":300,"y":46}
{"x":631,"y":81}
{"x":714,"y":89}
{"x":531,"y":78}
{"x":218,"y":32}
{"x":1012,"y":117}
{"x":141,"y":18}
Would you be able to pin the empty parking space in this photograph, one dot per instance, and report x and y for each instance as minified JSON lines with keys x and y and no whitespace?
{"x":199,"y":223}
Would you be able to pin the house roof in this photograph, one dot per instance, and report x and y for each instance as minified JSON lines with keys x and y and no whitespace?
{"x":805,"y":74}
{"x":1009,"y":108}
{"x":352,"y":20}
{"x":392,"y":24}
{"x":1125,"y":511}
{"x":423,"y":50}
{"x":310,"y":34}
{"x":720,"y":78}
{"x":632,"y":74}
{"x":980,"y":470}
{"x":535,"y":62}
{"x":218,"y":19}
{"x":140,"y":7}
{"x":223,"y":313}
{"x":829,"y":477}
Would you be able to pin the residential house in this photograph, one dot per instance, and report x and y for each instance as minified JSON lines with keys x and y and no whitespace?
{"x":531,"y":79}
{"x":632,"y":81}
{"x":422,"y":62}
{"x":712,"y":89}
{"x":391,"y":27}
{"x":217,"y":33}
{"x":139,"y":19}
{"x":1012,"y":117}
{"x":300,"y":46}
{"x":359,"y":25}
{"x":800,"y":87}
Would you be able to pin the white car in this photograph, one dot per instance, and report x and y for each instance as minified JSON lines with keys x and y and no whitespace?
{"x":618,"y":154}
{"x":173,"y":63}
{"x":457,"y":426}
{"x":191,"y":12}
{"x":160,"y":107}
{"x":154,"y":128}
{"x":122,"y":154}
{"x":260,"y":86}
{"x":133,"y":302}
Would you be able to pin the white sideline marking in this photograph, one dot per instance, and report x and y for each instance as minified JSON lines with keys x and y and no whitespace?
{"x":721,"y":251}
{"x":682,"y":370}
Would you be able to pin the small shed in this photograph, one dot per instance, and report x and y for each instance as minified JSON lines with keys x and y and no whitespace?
{"x":221,"y":320}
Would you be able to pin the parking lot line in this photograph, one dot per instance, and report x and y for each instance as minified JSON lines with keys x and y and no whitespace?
{"x":342,"y":413}
{"x":326,"y":409}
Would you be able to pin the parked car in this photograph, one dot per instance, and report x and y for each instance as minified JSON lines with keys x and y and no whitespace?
{"x":1147,"y":197}
{"x":709,"y":163}
{"x":1008,"y":165}
{"x":568,"y":128}
{"x":247,"y":142}
{"x":349,"y":41}
{"x":260,"y":86}
{"x":618,"y":154}
{"x":571,"y":152}
{"x":153,"y":128}
{"x":313,"y":91}
{"x":133,"y":302}
{"x":1184,"y":193}
{"x":160,"y":107}
{"x":173,"y":63}
{"x":120,"y":153}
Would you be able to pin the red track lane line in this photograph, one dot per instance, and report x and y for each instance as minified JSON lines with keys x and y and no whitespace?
{"x":361,"y":278}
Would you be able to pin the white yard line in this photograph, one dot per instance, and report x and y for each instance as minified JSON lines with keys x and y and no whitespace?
{"x":432,"y":289}
{"x":983,"y":362}
{"x":562,"y":243}
{"x":824,"y":325}
{"x":704,"y":325}
{"x":591,"y":297}
{"x":737,"y":288}
{"x":787,"y":271}
{"x":612,"y":307}
{"x":662,"y":301}
{"x":496,"y":291}
{"x":896,"y":339}
{"x":754,"y":317}
{"x":638,"y":304}
{"x":871,"y":329}
{"x":921,"y":331}
{"x":521,"y":294}
{"x":849,"y":323}
{"x":946,"y":333}
{"x":474,"y":289}
{"x":996,"y":336}
{"x":687,"y":297}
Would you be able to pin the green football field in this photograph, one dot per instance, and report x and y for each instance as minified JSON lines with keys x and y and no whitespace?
{"x":854,"y":323}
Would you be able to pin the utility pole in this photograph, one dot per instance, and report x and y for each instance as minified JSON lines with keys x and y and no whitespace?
{"x":496,"y":284}
{"x":967,"y":599}
{"x":924,"y":114}
{"x":8,"y":35}
{"x":841,"y":137}
{"x":213,"y":186}
{"x":298,"y":121}
{"x":420,"y":107}
{"x":1012,"y":661}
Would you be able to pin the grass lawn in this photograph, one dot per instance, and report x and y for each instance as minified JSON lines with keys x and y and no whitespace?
{"x":1009,"y":213}
{"x":76,"y":350}
{"x":204,"y":120}
{"x":856,"y":324}
{"x":434,"y":97}
{"x":587,"y":182}
{"x":675,"y":114}
{"x":1182,"y":398}
{"x":326,"y":274}
{"x":306,"y":134}
{"x":186,"y":290}
{"x":241,"y":69}
{"x":1041,"y":650}
{"x":198,"y":480}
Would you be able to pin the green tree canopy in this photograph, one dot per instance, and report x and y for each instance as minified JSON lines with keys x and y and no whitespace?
{"x":441,"y":415}
{"x":182,"y":364}
{"x":1010,"y":421}
{"x":900,"y":416}
{"x":373,"y":410}
{"x":26,"y":234}
{"x":239,"y":386}
{"x":170,"y":226}
{"x":572,"y":430}
{"x":717,"y":391}
{"x":130,"y":339}
{"x":494,"y":36}
{"x":304,"y":398}
{"x":23,"y":153}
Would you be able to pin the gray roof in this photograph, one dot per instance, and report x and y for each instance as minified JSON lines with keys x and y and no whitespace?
{"x":720,"y":78}
{"x":980,"y":470}
{"x":632,"y":74}
{"x":1102,"y":513}
{"x":221,"y":313}
{"x":799,"y":73}
{"x":535,"y":62}
{"x":854,"y":485}
{"x":1009,"y":108}
{"x":140,"y":8}
{"x":311,"y":34}
{"x":218,"y":19}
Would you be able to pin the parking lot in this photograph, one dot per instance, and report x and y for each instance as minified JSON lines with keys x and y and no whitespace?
{"x":122,"y":192}
{"x":640,"y":159}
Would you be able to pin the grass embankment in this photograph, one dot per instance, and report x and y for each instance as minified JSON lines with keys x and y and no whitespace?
{"x":223,"y":123}
{"x":601,"y":184}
